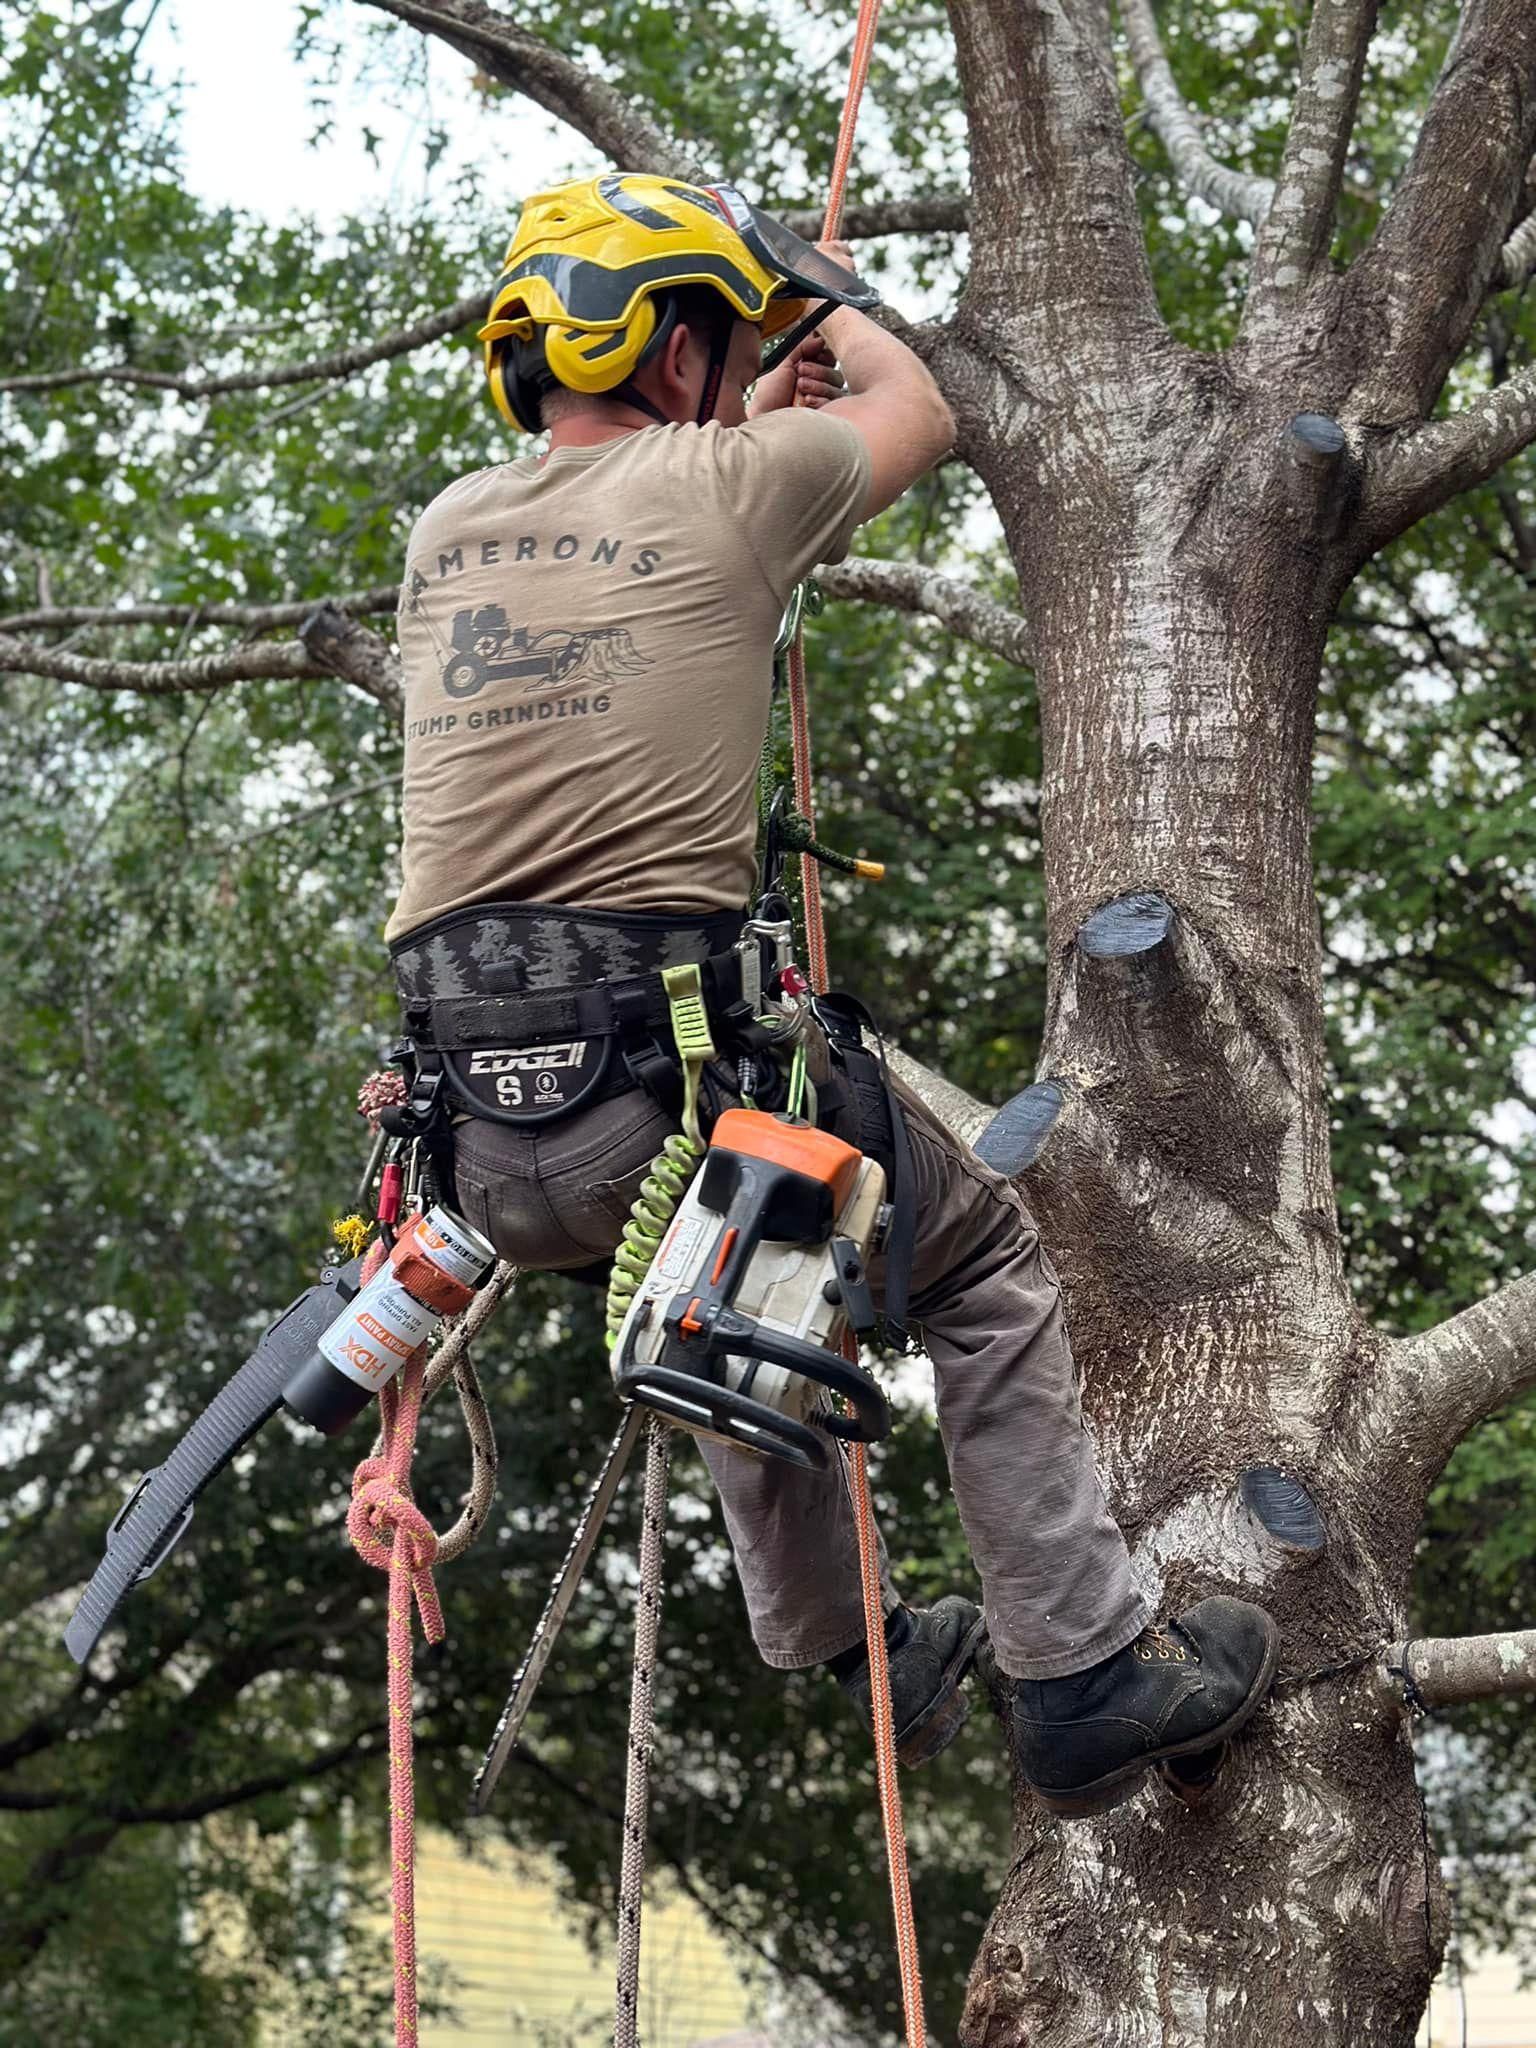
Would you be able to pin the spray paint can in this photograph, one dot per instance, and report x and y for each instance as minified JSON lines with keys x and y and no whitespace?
{"x":383,"y":1324}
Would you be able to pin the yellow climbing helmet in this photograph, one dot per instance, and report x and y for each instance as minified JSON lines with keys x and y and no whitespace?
{"x":585,"y":294}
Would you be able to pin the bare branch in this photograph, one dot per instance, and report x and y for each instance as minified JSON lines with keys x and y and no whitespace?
{"x":339,"y":801}
{"x":344,"y":648}
{"x":1229,"y":191}
{"x":1447,"y":1671}
{"x":260,"y":662}
{"x":358,"y":1747}
{"x":909,"y":587}
{"x":962,"y":1113}
{"x":564,"y":88}
{"x":1433,"y":1389}
{"x":255,"y":618}
{"x":941,"y":213}
{"x":341,"y":362}
{"x":622,"y":131}
{"x":1294,"y":240}
{"x":1418,"y":288}
{"x":1419,"y":471}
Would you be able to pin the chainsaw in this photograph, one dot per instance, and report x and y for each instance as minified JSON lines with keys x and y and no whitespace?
{"x":735,"y":1332}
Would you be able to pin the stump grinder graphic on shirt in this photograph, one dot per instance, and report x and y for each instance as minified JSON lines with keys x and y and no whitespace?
{"x":487,"y":648}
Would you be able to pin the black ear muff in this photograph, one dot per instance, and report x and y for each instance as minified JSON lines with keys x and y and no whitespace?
{"x":525,"y":378}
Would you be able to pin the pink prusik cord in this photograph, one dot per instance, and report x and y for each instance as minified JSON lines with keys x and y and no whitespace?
{"x":390,"y":1532}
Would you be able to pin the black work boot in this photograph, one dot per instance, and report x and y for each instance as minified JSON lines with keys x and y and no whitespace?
{"x":1084,"y":1742}
{"x":930,"y":1651}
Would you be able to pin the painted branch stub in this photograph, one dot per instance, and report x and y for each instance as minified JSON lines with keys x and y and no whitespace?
{"x":1285,"y":1511}
{"x":1129,"y":925}
{"x":1318,"y":473}
{"x":1013,"y":1139}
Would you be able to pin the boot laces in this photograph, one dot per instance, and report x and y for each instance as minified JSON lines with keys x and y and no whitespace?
{"x":1164,"y":1643}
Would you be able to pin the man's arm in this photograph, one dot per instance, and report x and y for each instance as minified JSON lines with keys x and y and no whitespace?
{"x":892,"y":401}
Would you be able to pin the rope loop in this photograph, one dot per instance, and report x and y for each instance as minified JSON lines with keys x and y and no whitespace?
{"x":387,"y":1527}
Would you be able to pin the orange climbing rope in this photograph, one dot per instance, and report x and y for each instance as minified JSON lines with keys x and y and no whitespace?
{"x":816,"y":958}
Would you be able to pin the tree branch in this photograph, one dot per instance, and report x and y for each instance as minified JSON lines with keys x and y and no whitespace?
{"x":557,"y":83}
{"x":1229,"y":191}
{"x":257,"y":663}
{"x":1417,"y":289}
{"x":255,"y":618}
{"x":1059,"y":261}
{"x":941,"y":213}
{"x":341,"y":362}
{"x":1413,"y":474}
{"x":962,"y":1113}
{"x":1434,"y":1389}
{"x":910,"y":587}
{"x":344,"y":648}
{"x":1294,"y":240}
{"x":359,"y":1746}
{"x":1447,"y":1671}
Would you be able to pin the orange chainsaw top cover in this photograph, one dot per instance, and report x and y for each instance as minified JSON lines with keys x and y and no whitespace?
{"x":799,"y":1147}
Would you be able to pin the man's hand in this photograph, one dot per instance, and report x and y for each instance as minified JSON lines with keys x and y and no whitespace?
{"x":809,"y":376}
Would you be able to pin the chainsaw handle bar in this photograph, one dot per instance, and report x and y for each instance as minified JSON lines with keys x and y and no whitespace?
{"x":731,"y":1331}
{"x":701,"y":1405}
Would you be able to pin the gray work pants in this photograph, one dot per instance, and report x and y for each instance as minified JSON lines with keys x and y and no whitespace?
{"x":1055,"y":1577}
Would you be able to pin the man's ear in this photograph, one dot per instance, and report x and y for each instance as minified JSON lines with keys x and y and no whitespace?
{"x":673,"y":362}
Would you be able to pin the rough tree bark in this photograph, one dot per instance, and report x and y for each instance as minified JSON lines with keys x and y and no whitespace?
{"x":1183,"y":526}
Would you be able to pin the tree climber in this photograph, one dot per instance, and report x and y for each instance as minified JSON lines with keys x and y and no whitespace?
{"x":587,"y":641}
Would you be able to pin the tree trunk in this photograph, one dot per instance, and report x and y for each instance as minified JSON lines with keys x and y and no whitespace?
{"x":1178,"y":576}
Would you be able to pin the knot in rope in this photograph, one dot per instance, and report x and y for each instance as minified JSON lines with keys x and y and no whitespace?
{"x":389,"y":1530}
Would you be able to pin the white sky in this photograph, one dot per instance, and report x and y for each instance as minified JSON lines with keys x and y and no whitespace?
{"x":246,"y":120}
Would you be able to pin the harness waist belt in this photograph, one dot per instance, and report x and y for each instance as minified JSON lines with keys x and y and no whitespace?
{"x":605,"y":1010}
{"x":538,"y":950}
{"x":529,"y":1012}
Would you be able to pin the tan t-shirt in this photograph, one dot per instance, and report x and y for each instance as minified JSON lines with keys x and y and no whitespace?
{"x":587,"y":647}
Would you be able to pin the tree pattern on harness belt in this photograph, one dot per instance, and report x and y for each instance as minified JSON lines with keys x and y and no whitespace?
{"x":1253,"y":655}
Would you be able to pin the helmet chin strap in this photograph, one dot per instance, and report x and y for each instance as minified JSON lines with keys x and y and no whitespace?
{"x":714,"y":374}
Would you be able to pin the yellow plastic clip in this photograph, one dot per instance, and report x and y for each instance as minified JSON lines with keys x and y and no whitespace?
{"x":690,"y":1019}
